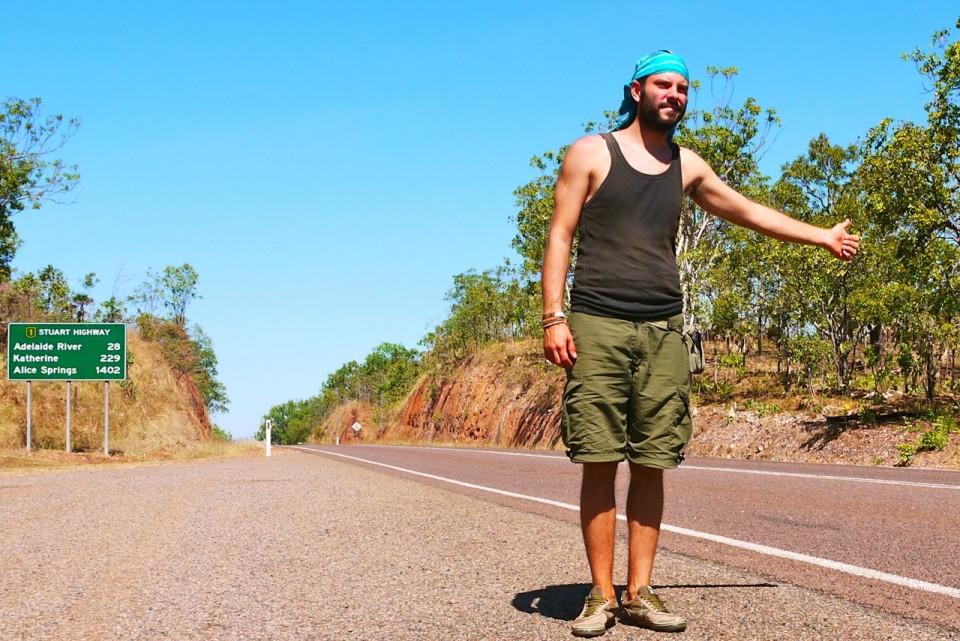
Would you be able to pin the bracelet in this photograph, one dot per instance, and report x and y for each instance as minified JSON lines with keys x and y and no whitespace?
{"x":550,"y":323}
{"x":553,"y":315}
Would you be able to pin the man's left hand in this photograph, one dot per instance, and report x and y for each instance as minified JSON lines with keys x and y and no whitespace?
{"x":841,"y":244}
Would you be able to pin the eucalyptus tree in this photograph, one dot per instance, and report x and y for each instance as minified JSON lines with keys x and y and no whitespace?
{"x":912,"y":173}
{"x":831,"y":297}
{"x":48,"y":292}
{"x":172,"y":289}
{"x":493,"y":305}
{"x":28,"y":174}
{"x":732,"y":140}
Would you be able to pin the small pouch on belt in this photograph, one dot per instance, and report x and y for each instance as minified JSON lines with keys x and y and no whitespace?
{"x":694,"y":342}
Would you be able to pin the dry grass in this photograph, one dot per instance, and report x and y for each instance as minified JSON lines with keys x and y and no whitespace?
{"x":17,"y":462}
{"x":155,"y":409}
{"x":156,"y":416}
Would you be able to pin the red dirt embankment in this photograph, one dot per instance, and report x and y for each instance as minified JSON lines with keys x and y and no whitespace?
{"x":507,"y":395}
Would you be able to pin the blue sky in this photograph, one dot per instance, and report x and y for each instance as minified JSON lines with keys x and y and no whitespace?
{"x":327,"y":168}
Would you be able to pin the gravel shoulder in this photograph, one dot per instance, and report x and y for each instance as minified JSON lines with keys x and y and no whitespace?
{"x":302,"y":547}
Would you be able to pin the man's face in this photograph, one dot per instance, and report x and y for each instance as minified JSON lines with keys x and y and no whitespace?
{"x":663,"y":100}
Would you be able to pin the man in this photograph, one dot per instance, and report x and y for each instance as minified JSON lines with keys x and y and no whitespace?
{"x":628,"y":378}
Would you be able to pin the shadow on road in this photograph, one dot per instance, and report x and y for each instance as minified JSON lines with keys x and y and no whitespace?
{"x":564,"y":602}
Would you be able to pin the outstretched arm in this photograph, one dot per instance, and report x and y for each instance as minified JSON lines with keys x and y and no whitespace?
{"x":711,"y":193}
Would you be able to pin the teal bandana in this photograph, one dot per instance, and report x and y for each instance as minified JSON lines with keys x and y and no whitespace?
{"x":662,"y":61}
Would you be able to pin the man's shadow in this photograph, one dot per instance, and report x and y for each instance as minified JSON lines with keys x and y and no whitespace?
{"x":564,"y":602}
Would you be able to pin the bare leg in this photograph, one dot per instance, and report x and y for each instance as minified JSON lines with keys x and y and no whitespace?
{"x":598,"y":520}
{"x":644,"y":512}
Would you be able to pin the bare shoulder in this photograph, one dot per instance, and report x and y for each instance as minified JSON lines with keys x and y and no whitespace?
{"x":586,"y":156}
{"x":694,"y":169}
{"x":690,"y":158}
{"x":587,"y":148}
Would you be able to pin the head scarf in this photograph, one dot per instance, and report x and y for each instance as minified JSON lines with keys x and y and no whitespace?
{"x":662,"y":61}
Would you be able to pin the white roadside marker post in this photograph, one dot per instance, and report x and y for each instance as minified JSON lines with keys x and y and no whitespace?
{"x":269,"y":425}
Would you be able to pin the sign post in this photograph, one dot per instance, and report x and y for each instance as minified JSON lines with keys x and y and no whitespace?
{"x":67,"y":352}
{"x":68,"y":417}
{"x":106,"y":418}
{"x":29,"y":416}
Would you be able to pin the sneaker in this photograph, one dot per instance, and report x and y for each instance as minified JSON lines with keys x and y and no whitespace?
{"x":648,"y":611}
{"x":597,"y":615}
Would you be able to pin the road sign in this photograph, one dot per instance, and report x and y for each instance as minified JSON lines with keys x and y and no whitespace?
{"x":356,"y":426}
{"x":66,"y":352}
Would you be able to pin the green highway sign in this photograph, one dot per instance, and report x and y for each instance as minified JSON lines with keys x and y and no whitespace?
{"x":66,"y":351}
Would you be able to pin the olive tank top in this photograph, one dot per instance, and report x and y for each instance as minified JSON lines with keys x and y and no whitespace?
{"x":626,"y":260}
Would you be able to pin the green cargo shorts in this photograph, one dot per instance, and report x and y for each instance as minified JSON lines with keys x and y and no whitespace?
{"x":628,"y":394}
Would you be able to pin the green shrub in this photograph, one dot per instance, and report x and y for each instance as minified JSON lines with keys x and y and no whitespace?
{"x":221,"y":435}
{"x":933,"y":441}
{"x":906,"y":452}
{"x":762,"y":408}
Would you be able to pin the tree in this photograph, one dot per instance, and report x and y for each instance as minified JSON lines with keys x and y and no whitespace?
{"x":27,"y":176}
{"x":179,"y":289}
{"x":388,"y":373}
{"x":342,"y":385}
{"x":82,"y":300}
{"x":173,"y":289}
{"x":912,"y":173}
{"x":535,"y":202}
{"x":49,"y":293}
{"x":146,"y":296}
{"x":290,"y":423}
{"x":494,"y":305}
{"x":213,"y":392}
{"x":111,"y":310}
{"x":731,"y":140}
{"x":829,"y":296}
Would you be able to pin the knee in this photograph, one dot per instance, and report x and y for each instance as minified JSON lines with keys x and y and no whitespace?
{"x":643,"y":473}
{"x":600,"y":473}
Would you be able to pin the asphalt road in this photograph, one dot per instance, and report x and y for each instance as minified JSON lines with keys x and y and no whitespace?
{"x":882,"y":537}
{"x":315,"y":545}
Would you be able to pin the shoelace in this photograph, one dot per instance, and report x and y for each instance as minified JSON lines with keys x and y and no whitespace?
{"x":654,"y":601}
{"x":593,"y":604}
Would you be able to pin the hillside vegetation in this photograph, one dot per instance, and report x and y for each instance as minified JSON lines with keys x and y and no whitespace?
{"x":172,"y":382}
{"x":156,"y":408}
{"x":505,"y":396}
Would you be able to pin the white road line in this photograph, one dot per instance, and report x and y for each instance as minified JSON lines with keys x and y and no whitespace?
{"x":727,"y":470}
{"x":556,"y":457}
{"x":753,"y":547}
{"x":443,"y":478}
{"x":823,"y":477}
{"x":814,"y":560}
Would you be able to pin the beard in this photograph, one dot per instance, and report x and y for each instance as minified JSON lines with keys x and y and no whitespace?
{"x":649,"y":115}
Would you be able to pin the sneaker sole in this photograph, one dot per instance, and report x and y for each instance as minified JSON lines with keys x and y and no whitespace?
{"x":594,"y":632}
{"x":676,"y":627}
